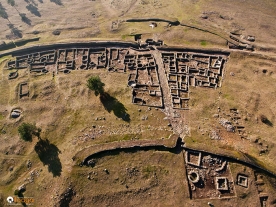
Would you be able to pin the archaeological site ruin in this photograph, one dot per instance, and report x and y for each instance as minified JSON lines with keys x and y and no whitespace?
{"x":183,"y":68}
{"x":160,"y":77}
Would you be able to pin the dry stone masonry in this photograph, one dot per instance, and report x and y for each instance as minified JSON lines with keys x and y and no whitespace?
{"x":144,"y":79}
{"x":182,"y":69}
{"x":186,"y":69}
{"x":23,"y":90}
{"x":209,"y":176}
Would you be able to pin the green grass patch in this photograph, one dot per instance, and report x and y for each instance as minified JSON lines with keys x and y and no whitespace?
{"x":203,"y":43}
{"x":124,"y":37}
{"x":190,"y":140}
{"x":1,"y":116}
{"x":228,"y":97}
{"x":148,"y":170}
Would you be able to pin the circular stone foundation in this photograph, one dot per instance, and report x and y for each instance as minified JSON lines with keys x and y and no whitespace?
{"x":131,"y":83}
{"x":15,"y":113}
{"x":193,"y":177}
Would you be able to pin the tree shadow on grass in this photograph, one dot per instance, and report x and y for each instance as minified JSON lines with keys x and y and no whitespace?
{"x":268,"y":123}
{"x":112,"y":104}
{"x":25,"y":19}
{"x":16,"y":33}
{"x":32,"y":2}
{"x":20,"y":195}
{"x":33,"y":10}
{"x":48,"y":154}
{"x":3,"y":12}
{"x":58,"y":2}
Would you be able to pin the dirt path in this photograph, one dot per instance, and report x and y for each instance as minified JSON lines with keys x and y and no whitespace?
{"x":177,"y":118}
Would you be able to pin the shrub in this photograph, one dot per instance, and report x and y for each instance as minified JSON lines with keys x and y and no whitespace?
{"x":16,"y":192}
{"x":56,"y":32}
{"x":11,"y":2}
{"x":95,"y":84}
{"x":27,"y":130}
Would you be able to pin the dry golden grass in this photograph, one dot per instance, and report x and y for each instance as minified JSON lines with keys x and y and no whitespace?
{"x":250,"y":91}
{"x":66,"y":110}
{"x":92,"y":20}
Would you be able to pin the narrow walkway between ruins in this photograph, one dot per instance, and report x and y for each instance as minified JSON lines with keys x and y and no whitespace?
{"x":177,"y":118}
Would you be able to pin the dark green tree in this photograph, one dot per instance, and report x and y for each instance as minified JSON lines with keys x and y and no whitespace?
{"x":11,"y":2}
{"x":27,"y":130}
{"x":95,"y":84}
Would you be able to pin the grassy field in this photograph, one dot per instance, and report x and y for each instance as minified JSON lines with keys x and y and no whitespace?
{"x":93,"y":20}
{"x":250,"y":91}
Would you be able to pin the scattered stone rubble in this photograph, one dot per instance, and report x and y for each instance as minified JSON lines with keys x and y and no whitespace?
{"x":241,"y":43}
{"x":227,"y":125}
{"x":67,"y":196}
{"x":233,"y":122}
{"x":214,"y":135}
{"x":29,"y":164}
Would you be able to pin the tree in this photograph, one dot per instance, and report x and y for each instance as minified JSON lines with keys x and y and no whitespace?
{"x":95,"y":84}
{"x":16,"y":192}
{"x":11,"y":2}
{"x":27,"y":130}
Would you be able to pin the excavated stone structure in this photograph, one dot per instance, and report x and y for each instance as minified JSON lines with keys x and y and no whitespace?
{"x":208,"y":175}
{"x":185,"y":69}
{"x":182,"y":68}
